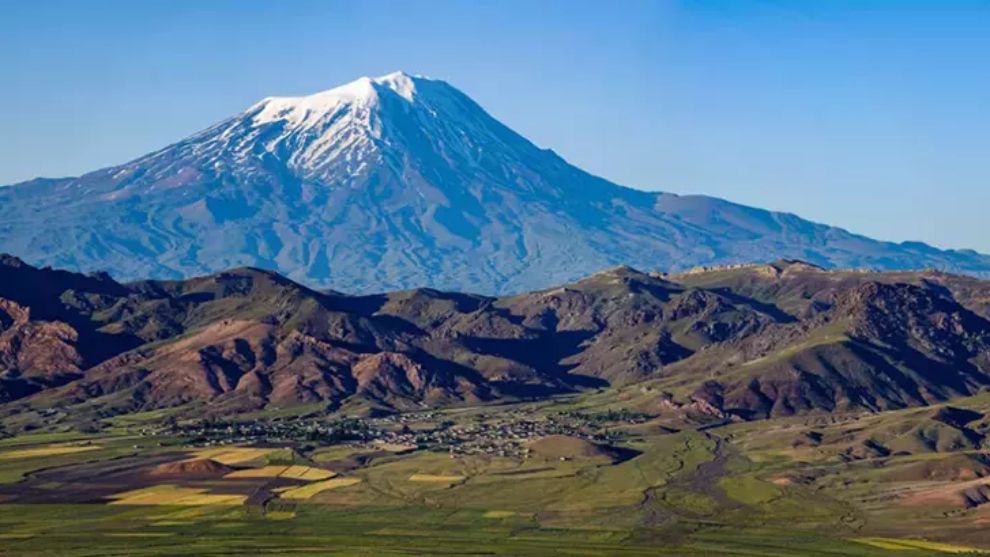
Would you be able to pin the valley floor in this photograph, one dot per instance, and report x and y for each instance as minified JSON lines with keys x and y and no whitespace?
{"x":896,"y":483}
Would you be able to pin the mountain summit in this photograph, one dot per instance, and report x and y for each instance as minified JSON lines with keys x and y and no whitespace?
{"x":392,"y":182}
{"x":350,"y":129}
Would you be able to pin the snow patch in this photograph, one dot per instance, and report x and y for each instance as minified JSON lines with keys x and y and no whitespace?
{"x":400,"y":82}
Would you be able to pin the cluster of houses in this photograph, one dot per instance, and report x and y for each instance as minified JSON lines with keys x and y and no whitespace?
{"x":497,"y":433}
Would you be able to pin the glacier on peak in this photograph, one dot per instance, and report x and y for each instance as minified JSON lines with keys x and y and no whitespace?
{"x":339,"y":132}
{"x":305,"y":109}
{"x":318,"y":135}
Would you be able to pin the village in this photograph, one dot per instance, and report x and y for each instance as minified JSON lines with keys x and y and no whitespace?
{"x":504,"y":434}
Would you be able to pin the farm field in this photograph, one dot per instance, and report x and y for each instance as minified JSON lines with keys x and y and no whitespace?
{"x":102,"y":530}
{"x":748,"y":489}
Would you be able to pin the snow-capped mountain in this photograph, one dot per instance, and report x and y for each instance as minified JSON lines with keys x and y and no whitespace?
{"x":393,"y":182}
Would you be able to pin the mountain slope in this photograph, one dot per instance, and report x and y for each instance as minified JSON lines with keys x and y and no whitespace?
{"x":396,"y":182}
{"x":786,"y":338}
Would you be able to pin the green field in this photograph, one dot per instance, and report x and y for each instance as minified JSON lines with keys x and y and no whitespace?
{"x":318,"y":529}
{"x":746,"y":489}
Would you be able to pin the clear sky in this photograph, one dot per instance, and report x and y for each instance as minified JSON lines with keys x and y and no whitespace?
{"x":870,"y":115}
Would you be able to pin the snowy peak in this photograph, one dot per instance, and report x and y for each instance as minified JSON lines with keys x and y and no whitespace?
{"x":329,"y":135}
{"x":401,"y":122}
{"x":363,"y":92}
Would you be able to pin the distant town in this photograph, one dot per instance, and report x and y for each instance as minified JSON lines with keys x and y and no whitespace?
{"x":495,"y":434}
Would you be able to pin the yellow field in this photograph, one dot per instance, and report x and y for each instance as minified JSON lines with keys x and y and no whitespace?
{"x":435,"y":478}
{"x":297,"y":472}
{"x":167,"y":494}
{"x":263,"y":472}
{"x":51,"y":450}
{"x":307,"y":491}
{"x":897,"y":544}
{"x":499,"y":514}
{"x":307,"y":473}
{"x":233,"y":455}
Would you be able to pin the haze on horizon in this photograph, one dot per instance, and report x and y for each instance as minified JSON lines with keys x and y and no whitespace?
{"x":863,"y":115}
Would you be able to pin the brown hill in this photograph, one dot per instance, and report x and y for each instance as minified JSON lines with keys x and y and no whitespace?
{"x":46,"y":336}
{"x":34,"y":354}
{"x":748,"y":341}
{"x":858,"y":340}
{"x":199,"y":467}
{"x":954,"y":468}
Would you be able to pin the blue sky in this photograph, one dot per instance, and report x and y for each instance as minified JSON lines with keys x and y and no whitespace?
{"x":874,"y":116}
